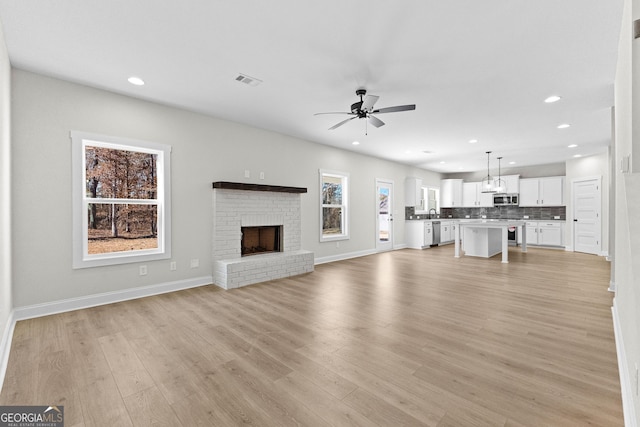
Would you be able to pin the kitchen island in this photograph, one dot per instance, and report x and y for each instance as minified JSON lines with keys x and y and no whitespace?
{"x":488,"y":237}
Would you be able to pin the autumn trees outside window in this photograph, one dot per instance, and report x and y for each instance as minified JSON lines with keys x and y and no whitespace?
{"x":121,"y":209}
{"x":333,"y":205}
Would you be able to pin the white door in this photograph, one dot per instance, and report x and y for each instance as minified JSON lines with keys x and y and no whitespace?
{"x":587,"y":208}
{"x":384,"y":215}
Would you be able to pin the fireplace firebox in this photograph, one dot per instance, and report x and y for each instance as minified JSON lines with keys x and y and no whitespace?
{"x":261,"y":240}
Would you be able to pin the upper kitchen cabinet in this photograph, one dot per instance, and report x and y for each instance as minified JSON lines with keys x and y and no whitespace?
{"x":413,"y":194}
{"x":548,"y":191}
{"x":511,"y":184}
{"x":473,"y":197}
{"x":451,"y":193}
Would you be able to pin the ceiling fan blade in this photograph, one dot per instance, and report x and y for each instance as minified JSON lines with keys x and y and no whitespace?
{"x":395,"y":109}
{"x":375,"y":121}
{"x":368,"y":102}
{"x":335,"y":112}
{"x":342,"y":122}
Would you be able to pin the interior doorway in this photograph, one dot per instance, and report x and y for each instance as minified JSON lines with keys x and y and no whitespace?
{"x":587,"y":215}
{"x":384,"y":215}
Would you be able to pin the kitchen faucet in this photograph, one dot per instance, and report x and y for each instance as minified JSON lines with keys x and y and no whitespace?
{"x":434,"y":212}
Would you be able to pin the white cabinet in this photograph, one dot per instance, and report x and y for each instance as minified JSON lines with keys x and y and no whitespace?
{"x":511,"y":183}
{"x":550,"y":233}
{"x":413,"y":195}
{"x":473,"y":197}
{"x":447,"y":231}
{"x":451,"y":193}
{"x":544,"y":233}
{"x":419,"y":234}
{"x":547,"y":191}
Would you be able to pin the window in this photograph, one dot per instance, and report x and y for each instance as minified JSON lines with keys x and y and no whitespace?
{"x":431,"y":196}
{"x":334,"y":197}
{"x":121,"y":200}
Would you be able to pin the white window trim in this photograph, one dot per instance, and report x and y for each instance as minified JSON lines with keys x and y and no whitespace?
{"x":345,"y":204}
{"x":81,"y":258}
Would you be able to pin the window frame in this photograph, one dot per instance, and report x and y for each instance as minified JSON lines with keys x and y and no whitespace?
{"x":80,"y":201}
{"x":344,"y":177}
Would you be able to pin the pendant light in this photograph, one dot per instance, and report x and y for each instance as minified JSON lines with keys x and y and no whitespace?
{"x":499,"y":184}
{"x":487,"y":182}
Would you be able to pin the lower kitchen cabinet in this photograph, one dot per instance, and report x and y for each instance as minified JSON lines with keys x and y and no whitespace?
{"x":447,"y":231}
{"x":544,"y":233}
{"x":419,"y":234}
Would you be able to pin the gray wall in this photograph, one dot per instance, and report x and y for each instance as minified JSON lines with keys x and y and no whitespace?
{"x":205,"y":149}
{"x":552,"y":169}
{"x":5,"y":190}
{"x":627,"y":299}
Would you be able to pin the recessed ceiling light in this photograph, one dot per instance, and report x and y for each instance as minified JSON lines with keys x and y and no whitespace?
{"x":564,"y":126}
{"x":473,"y":141}
{"x":572,"y":145}
{"x":355,"y":143}
{"x":552,"y":99}
{"x":135,"y":81}
{"x":512,"y":163}
{"x":442,"y":162}
{"x":577,"y":155}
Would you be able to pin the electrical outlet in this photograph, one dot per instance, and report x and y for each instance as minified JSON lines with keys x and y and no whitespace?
{"x":143,"y":270}
{"x":247,"y":173}
{"x":556,"y":217}
{"x":337,"y":244}
{"x":173,"y":266}
{"x":525,"y":216}
{"x":195,"y":263}
{"x":261,"y":175}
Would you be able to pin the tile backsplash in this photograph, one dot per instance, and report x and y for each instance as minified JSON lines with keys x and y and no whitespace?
{"x":500,"y":212}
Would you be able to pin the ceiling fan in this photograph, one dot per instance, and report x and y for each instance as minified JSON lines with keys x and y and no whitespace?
{"x":363,"y":109}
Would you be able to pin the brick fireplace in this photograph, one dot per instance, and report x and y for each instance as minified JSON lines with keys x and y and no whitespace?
{"x":269,"y":218}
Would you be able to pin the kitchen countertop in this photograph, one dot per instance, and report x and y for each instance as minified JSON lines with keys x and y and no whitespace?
{"x":486,"y":219}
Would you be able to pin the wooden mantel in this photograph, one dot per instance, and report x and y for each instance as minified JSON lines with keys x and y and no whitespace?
{"x":257,"y":187}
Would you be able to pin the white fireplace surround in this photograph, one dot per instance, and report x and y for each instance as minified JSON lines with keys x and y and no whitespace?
{"x":236,"y":208}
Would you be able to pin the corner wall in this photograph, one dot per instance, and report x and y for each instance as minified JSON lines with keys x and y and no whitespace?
{"x":627,"y":299}
{"x":5,"y":203}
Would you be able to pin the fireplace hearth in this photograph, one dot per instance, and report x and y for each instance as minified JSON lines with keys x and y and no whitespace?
{"x":261,"y":240}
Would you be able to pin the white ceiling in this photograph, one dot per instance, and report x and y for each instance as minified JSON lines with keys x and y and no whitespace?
{"x":475,"y":69}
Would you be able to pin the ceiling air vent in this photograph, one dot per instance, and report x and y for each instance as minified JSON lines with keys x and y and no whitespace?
{"x":251,"y":81}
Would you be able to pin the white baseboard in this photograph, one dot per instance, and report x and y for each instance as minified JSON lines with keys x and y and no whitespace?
{"x":39,"y":310}
{"x":5,"y":346}
{"x":341,"y":257}
{"x":626,"y":385}
{"x":46,"y":309}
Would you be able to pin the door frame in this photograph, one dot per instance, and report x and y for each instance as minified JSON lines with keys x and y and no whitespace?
{"x":384,"y":246}
{"x":598,"y":179}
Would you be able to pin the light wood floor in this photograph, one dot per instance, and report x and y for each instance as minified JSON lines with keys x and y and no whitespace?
{"x":400,"y":338}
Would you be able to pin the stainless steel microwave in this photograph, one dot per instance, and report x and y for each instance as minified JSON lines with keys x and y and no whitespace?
{"x":505,"y":200}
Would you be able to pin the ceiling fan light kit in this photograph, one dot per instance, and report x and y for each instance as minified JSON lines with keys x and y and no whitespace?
{"x":363,"y":109}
